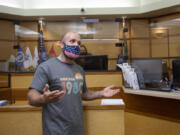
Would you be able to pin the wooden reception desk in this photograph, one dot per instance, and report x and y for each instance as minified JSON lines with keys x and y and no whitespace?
{"x":164,"y":105}
{"x":23,"y":119}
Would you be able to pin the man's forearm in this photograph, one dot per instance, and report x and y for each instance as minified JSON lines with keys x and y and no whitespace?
{"x":35,"y":98}
{"x":90,"y":95}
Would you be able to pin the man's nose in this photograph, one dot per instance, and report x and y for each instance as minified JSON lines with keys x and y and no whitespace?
{"x":76,"y":44}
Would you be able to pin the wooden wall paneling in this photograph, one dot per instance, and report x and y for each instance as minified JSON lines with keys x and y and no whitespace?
{"x":174,"y":29}
{"x":6,"y":49}
{"x":102,"y":48}
{"x":140,"y":48}
{"x":5,"y":94}
{"x":129,"y":47}
{"x":167,"y":18}
{"x":104,"y":80}
{"x":170,"y":22}
{"x":106,"y":30}
{"x":174,"y":46}
{"x":171,"y":25}
{"x":6,"y":30}
{"x":21,"y":81}
{"x":168,"y":42}
{"x":130,"y":41}
{"x":112,"y":64}
{"x":160,"y":47}
{"x":86,"y":30}
{"x":4,"y":80}
{"x":19,"y":94}
{"x":140,"y":43}
{"x":30,"y":27}
{"x":150,"y":37}
{"x":139,"y":28}
{"x":56,"y":30}
{"x":159,"y":33}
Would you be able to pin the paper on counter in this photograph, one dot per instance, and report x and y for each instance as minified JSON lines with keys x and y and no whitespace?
{"x":112,"y":102}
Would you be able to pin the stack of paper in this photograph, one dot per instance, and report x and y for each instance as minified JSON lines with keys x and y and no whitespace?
{"x":112,"y":102}
{"x":129,"y":75}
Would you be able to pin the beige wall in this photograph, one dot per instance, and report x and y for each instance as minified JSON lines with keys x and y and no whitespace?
{"x":6,"y":39}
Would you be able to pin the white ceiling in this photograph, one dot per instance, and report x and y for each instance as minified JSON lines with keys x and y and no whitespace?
{"x":73,"y":7}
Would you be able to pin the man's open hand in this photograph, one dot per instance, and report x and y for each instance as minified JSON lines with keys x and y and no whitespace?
{"x":109,"y":91}
{"x":53,"y":96}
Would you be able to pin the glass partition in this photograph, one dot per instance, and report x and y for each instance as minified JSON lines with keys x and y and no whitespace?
{"x":146,"y":38}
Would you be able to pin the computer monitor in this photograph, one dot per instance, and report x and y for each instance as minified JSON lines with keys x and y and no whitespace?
{"x":92,"y":63}
{"x":149,"y":69}
{"x":176,"y":72}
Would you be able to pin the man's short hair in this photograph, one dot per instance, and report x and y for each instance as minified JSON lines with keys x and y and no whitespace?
{"x":65,"y":35}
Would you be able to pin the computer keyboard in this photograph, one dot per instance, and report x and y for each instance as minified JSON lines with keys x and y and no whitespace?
{"x":163,"y":89}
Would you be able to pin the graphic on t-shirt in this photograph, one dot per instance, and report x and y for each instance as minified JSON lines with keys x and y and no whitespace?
{"x":73,"y":85}
{"x":78,"y":76}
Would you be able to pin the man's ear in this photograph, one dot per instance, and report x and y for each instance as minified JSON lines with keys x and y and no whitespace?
{"x":61,"y":44}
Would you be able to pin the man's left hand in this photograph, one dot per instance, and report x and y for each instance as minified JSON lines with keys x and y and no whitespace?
{"x":109,"y":91}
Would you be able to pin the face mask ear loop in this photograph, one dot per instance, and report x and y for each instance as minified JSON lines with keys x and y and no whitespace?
{"x":64,"y":45}
{"x":64,"y":50}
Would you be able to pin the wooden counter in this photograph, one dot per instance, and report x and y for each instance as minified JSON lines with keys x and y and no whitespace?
{"x":23,"y":119}
{"x":87,"y":105}
{"x":163,"y":105}
{"x":160,"y":94}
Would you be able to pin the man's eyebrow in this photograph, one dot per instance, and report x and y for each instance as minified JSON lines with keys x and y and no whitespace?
{"x":72,"y":39}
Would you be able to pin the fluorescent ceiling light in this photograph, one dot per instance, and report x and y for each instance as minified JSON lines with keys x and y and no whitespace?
{"x":90,"y":20}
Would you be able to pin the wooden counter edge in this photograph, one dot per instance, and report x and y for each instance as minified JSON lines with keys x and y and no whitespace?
{"x":87,"y":73}
{"x":102,"y":107}
{"x":170,"y":95}
{"x":25,"y":108}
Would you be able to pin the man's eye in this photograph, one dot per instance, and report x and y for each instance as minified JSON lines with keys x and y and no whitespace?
{"x":72,"y":41}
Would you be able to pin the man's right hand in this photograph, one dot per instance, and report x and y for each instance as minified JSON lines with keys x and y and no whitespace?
{"x":52,"y":96}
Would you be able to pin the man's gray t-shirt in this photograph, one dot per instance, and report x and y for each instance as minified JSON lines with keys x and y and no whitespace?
{"x":64,"y":117}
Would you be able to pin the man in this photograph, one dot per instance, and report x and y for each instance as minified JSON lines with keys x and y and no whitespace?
{"x":58,"y":86}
